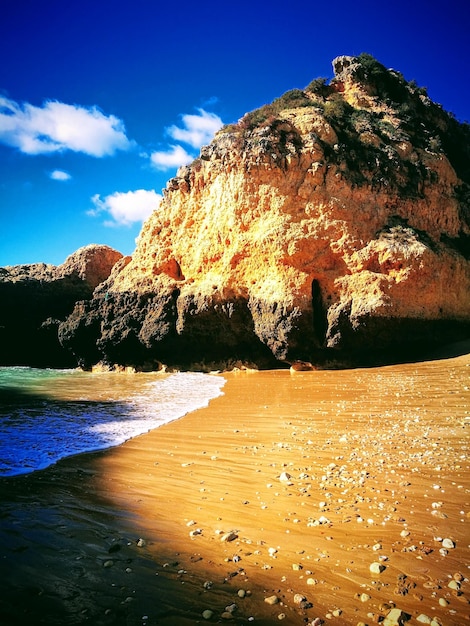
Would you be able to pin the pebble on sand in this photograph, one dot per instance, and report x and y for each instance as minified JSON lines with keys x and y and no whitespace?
{"x":376,"y":568}
{"x":395,"y":617}
{"x":207,"y":614}
{"x":230,"y":536}
{"x":271,"y":600}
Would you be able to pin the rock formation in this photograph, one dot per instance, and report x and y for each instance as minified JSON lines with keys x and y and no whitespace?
{"x":331,"y":224}
{"x":35,"y":298}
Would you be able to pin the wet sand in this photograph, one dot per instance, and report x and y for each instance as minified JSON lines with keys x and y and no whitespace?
{"x":288,"y":489}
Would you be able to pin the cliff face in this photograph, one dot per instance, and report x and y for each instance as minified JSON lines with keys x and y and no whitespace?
{"x":35,"y":298}
{"x":334,"y":221}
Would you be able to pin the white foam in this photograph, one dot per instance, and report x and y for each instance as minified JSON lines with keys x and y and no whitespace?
{"x":36,"y":436}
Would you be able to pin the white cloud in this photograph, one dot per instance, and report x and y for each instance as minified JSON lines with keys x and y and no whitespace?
{"x":57,"y":127}
{"x":59,"y":175}
{"x":126,"y":208}
{"x":172,"y":158}
{"x":198,"y":129}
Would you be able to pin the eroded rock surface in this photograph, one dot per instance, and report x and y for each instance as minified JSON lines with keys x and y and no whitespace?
{"x":35,"y":298}
{"x":333,"y":223}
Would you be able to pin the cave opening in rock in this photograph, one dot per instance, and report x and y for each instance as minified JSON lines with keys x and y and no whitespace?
{"x":319,"y":315}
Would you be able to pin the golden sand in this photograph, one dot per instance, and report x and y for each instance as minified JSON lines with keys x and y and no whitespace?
{"x":313,"y":477}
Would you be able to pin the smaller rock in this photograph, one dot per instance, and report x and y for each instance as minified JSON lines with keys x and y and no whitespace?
{"x":207,"y":614}
{"x":395,"y":617}
{"x":423,"y":619}
{"x":285,"y":477}
{"x":271,"y":600}
{"x":448,"y":543}
{"x":298,"y":598}
{"x":376,"y":568}
{"x":230,"y":536}
{"x":454,"y":584}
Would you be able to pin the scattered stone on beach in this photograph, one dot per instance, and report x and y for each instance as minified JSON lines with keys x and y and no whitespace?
{"x":285,"y":477}
{"x":230,"y":536}
{"x":448,"y":544}
{"x":141,"y":542}
{"x":396,"y":617}
{"x":108,"y":563}
{"x":196,"y":532}
{"x":376,"y":568}
{"x":271,"y":600}
{"x":114,"y":548}
{"x":299,"y":598}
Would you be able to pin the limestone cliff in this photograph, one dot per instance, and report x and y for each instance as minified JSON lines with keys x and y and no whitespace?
{"x":335,"y":220}
{"x":35,"y":298}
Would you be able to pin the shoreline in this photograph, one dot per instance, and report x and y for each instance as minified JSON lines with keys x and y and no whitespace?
{"x":318,"y":474}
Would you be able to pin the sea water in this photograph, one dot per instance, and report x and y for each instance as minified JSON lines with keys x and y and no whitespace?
{"x":46,"y":415}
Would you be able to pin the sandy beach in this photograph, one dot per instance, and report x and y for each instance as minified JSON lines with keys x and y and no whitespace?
{"x":337,"y":497}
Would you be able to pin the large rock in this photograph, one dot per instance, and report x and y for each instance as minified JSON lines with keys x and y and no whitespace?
{"x":35,"y":298}
{"x":332,"y":224}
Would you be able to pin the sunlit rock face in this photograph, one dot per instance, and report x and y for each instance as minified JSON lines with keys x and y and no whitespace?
{"x":35,"y":298}
{"x":330,"y":225}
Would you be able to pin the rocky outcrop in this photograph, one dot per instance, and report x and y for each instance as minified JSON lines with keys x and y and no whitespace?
{"x":35,"y":298}
{"x":333,"y":223}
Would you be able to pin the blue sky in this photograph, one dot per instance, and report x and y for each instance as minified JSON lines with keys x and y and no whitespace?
{"x":101,"y":100}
